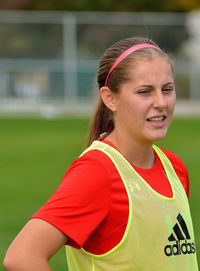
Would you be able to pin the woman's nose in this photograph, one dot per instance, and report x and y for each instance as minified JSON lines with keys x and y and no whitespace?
{"x":159,"y":99}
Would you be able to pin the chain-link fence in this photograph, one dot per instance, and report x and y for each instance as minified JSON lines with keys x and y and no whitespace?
{"x":49,"y":60}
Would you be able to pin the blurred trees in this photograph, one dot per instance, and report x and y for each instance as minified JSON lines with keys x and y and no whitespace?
{"x":102,"y":5}
{"x":26,"y":40}
{"x":21,"y":40}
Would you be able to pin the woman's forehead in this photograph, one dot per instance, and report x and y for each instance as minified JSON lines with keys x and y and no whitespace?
{"x":157,"y":69}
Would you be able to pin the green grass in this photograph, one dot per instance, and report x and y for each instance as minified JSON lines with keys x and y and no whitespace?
{"x":35,"y":152}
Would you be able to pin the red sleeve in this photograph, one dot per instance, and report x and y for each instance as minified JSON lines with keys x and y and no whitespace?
{"x":180,"y":169}
{"x":76,"y":208}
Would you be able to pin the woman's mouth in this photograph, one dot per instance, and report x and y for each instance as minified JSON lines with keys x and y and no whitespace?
{"x":157,"y":118}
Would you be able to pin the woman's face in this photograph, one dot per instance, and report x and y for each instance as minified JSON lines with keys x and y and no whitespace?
{"x":144,"y":105}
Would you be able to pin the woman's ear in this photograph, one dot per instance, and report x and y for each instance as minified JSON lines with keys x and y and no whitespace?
{"x":108,"y":97}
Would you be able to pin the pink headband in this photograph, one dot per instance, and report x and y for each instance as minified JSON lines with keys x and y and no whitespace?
{"x":128,"y":52}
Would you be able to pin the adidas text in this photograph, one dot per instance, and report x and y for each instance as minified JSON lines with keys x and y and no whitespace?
{"x":180,"y":248}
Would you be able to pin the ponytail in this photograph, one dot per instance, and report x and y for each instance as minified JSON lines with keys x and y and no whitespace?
{"x":102,"y":122}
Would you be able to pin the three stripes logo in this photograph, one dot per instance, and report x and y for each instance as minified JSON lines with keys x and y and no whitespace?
{"x":180,"y":240}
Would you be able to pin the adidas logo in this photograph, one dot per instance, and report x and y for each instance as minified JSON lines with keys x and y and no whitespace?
{"x":181,"y":238}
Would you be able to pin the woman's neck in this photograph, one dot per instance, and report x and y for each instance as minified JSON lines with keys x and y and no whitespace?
{"x":138,"y":153}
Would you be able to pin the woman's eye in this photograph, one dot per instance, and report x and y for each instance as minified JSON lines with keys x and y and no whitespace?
{"x":144,"y":91}
{"x":168,"y":90}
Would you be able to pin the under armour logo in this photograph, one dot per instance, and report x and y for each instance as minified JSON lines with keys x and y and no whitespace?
{"x":135,"y":187}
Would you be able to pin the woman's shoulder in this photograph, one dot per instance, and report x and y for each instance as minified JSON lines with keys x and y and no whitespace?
{"x":94,"y":158}
{"x":180,"y":168}
{"x":92,"y":165}
{"x":175,"y":159}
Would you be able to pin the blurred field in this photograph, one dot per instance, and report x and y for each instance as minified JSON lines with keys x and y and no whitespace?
{"x":35,"y":152}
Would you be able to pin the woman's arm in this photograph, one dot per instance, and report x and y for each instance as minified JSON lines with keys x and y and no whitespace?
{"x":33,"y":247}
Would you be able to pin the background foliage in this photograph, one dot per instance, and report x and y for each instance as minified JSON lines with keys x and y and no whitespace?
{"x":102,"y":5}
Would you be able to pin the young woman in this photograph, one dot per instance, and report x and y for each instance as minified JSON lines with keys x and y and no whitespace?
{"x":122,"y":205}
